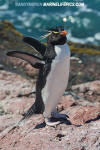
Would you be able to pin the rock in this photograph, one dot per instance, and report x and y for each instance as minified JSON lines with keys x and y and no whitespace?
{"x":90,"y":86}
{"x":8,"y":120}
{"x":89,"y":91}
{"x":2,"y":95}
{"x":34,"y":135}
{"x":12,"y":85}
{"x":80,"y":115}
{"x":81,"y":133}
{"x":17,"y":105}
{"x":66,"y":101}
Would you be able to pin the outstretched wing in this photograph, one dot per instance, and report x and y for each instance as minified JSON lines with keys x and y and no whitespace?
{"x":34,"y":60}
{"x":41,"y":48}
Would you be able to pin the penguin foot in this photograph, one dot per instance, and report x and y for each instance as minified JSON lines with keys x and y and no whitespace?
{"x":51,"y":122}
{"x":59,"y":116}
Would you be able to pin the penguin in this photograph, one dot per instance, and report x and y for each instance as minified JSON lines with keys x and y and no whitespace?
{"x":53,"y":66}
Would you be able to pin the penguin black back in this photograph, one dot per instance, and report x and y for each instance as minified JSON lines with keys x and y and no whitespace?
{"x":57,"y":36}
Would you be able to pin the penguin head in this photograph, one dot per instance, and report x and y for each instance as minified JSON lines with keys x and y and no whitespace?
{"x":57,"y":36}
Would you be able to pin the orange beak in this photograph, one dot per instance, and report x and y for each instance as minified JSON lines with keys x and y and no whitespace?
{"x":63,"y":33}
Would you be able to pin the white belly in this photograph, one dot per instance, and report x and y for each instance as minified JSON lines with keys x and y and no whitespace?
{"x":57,"y":79}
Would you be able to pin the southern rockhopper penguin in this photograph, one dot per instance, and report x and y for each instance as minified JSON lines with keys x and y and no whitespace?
{"x":53,"y":73}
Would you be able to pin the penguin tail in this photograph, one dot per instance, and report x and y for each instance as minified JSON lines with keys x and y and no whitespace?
{"x":28,"y":114}
{"x":31,"y":111}
{"x":34,"y":109}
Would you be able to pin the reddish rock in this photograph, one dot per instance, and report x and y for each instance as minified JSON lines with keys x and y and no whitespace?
{"x":89,"y":91}
{"x":12,"y":85}
{"x":18,"y":105}
{"x":84,"y":116}
{"x":90,"y":86}
{"x":8,"y":120}
{"x":32,"y":136}
{"x":80,"y":115}
{"x":2,"y":95}
{"x":66,"y":101}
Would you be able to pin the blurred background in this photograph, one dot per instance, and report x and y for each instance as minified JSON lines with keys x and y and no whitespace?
{"x":32,"y":18}
{"x":82,"y":23}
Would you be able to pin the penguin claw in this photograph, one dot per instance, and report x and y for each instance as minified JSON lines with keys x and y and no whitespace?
{"x":51,"y":122}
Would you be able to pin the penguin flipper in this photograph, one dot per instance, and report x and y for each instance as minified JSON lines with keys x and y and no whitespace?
{"x":40,"y":47}
{"x":34,"y":60}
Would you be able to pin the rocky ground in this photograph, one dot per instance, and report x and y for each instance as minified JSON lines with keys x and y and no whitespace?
{"x":81,"y":101}
{"x":80,"y":132}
